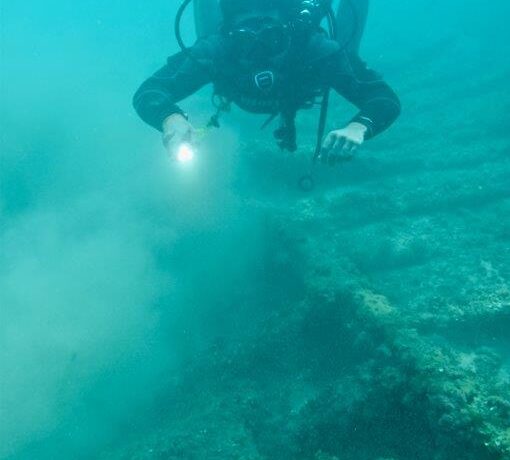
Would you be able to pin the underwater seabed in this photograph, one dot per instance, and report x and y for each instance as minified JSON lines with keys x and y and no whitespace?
{"x":387,"y":310}
{"x":382,"y":300}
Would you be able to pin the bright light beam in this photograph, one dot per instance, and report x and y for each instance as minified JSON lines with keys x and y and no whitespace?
{"x":185,"y":154}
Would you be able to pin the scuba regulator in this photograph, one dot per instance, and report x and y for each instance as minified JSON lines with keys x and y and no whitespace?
{"x":311,"y":13}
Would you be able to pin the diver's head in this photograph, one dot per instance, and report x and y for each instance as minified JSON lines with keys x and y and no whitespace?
{"x":257,"y":29}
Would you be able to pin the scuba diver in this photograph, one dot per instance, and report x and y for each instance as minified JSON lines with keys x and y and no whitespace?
{"x":271,"y":57}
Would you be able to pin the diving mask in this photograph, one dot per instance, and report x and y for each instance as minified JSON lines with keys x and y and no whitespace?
{"x":258,"y":38}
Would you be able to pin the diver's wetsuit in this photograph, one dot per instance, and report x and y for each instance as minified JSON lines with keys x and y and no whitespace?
{"x":298,"y":76}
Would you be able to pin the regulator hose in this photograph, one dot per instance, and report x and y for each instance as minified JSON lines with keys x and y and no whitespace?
{"x":177,"y":26}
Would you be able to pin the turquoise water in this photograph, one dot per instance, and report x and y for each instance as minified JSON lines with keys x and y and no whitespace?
{"x":150,"y":312}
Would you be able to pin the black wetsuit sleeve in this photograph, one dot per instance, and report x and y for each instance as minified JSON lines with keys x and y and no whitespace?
{"x":158,"y":96}
{"x":378,"y":104}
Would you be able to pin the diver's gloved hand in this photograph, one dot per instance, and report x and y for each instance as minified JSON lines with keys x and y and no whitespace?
{"x":176,"y":132}
{"x":341,"y":144}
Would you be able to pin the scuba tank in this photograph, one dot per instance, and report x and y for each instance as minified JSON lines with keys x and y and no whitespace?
{"x":207,"y":17}
{"x":351,"y":16}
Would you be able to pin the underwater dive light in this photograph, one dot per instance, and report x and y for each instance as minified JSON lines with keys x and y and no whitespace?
{"x":185,"y":154}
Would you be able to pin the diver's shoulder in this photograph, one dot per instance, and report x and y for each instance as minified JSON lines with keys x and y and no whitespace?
{"x":322,"y":47}
{"x":208,"y":47}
